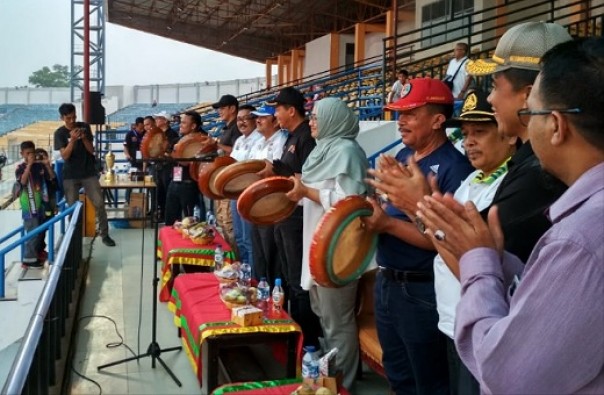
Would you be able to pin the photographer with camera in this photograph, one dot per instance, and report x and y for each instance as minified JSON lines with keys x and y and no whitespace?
{"x":33,"y":176}
{"x":74,"y":140}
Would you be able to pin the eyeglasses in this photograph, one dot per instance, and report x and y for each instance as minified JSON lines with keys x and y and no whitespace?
{"x":245,"y":118}
{"x":525,"y":114}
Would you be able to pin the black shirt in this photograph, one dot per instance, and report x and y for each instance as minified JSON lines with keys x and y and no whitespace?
{"x":229,"y":134}
{"x":132,"y":142}
{"x":298,"y":146}
{"x":172,"y":137}
{"x":81,"y":163}
{"x":522,"y":198}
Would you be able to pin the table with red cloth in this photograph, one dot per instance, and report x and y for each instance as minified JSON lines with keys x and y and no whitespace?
{"x":206,"y":327}
{"x":174,"y":249}
{"x":274,"y":387}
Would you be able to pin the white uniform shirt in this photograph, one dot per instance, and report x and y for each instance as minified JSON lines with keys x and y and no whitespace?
{"x":243,"y":145}
{"x":446,"y":285}
{"x":270,"y":148}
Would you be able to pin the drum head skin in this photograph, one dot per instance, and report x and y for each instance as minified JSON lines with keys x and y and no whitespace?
{"x":264,"y":202}
{"x":207,"y":174}
{"x":154,"y":144}
{"x":193,"y":144}
{"x":342,"y":248}
{"x":233,"y":179}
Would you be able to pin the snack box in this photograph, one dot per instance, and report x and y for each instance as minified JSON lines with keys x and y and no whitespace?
{"x":246,"y":316}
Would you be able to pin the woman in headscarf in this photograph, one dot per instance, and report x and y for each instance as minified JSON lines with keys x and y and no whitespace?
{"x":336,"y":168}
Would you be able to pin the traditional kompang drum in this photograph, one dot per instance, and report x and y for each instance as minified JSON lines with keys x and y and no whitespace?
{"x":342,"y":248}
{"x":264,"y":202}
{"x":154,"y":144}
{"x":207,"y":175}
{"x":194,"y":144}
{"x":233,"y":179}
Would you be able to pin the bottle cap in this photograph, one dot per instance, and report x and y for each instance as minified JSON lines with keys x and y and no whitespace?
{"x":309,"y":349}
{"x":277,"y":282}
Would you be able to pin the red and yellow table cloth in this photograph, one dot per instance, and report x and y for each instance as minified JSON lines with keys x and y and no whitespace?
{"x":200,"y":313}
{"x":173,"y":249}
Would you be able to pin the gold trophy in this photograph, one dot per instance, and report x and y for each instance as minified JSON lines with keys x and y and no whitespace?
{"x":110,"y":162}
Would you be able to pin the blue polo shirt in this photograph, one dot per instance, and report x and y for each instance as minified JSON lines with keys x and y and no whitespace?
{"x":451,"y":168}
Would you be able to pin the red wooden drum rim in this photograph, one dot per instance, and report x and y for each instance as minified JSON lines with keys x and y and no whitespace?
{"x":261,"y":189}
{"x":194,"y":170}
{"x":207,"y":174}
{"x":151,"y":140}
{"x":231,"y":172}
{"x":323,"y":248}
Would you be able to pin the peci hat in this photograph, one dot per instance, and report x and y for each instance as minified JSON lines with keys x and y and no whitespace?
{"x":290,"y":96}
{"x":475,"y":108}
{"x":225,"y":101}
{"x":422,"y":91}
{"x":521,"y":47}
{"x":161,"y":114}
{"x":264,"y":111}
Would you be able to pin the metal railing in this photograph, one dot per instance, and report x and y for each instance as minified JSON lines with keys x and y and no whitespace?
{"x":33,"y":370}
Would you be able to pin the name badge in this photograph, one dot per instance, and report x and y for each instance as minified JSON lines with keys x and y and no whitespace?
{"x":177,"y":174}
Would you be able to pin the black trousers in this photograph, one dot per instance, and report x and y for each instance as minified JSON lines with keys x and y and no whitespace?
{"x":288,"y":238}
{"x":181,"y":199}
{"x":162,"y":175}
{"x":460,"y":378}
{"x":264,"y":250}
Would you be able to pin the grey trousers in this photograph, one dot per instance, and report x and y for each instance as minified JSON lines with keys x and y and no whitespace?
{"x":93,"y":191}
{"x":336,"y":310}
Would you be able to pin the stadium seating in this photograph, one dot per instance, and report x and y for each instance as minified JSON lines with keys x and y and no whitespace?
{"x":129,"y":113}
{"x":16,"y":116}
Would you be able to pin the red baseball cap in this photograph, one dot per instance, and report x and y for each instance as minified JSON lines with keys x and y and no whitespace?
{"x":422,"y":91}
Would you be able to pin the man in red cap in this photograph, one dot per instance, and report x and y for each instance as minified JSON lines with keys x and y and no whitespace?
{"x":414,"y":350}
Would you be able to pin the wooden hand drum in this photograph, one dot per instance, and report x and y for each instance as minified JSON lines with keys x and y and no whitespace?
{"x":233,"y":179}
{"x":154,"y":144}
{"x":207,"y":175}
{"x":264,"y":202}
{"x":342,"y":248}
{"x":193,"y":144}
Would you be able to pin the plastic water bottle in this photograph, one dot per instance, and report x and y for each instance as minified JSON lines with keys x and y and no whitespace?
{"x":210,"y":218}
{"x":264,"y":290}
{"x":197,"y":213}
{"x":277,"y":295}
{"x":246,"y":274}
{"x":218,"y":258}
{"x":310,"y":364}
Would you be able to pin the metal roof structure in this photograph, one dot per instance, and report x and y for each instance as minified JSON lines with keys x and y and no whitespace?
{"x":252,"y":29}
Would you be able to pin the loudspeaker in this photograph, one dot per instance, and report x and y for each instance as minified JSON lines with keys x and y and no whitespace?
{"x":96,"y":114}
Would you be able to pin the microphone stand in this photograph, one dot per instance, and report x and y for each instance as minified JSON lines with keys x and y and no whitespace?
{"x":154,"y":350}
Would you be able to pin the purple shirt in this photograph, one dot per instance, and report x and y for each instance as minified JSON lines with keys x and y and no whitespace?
{"x":545,"y":336}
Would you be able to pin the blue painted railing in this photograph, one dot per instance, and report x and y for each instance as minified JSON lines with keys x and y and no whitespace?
{"x":34,"y":368}
{"x":47,"y":226}
{"x":373,"y":158}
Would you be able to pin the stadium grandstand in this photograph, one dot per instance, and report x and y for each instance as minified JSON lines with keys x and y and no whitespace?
{"x":349,"y":49}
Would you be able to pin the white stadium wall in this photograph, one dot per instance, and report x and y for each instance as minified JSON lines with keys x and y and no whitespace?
{"x":120,"y":96}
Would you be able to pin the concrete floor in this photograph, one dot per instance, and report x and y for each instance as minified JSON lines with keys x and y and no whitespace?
{"x":115,"y":280}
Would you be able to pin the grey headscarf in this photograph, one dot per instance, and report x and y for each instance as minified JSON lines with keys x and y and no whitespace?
{"x":337,"y":152}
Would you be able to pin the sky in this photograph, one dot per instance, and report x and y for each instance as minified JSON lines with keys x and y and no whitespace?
{"x":36,"y":33}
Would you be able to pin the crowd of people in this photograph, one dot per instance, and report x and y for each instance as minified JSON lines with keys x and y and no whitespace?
{"x":490,"y":260}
